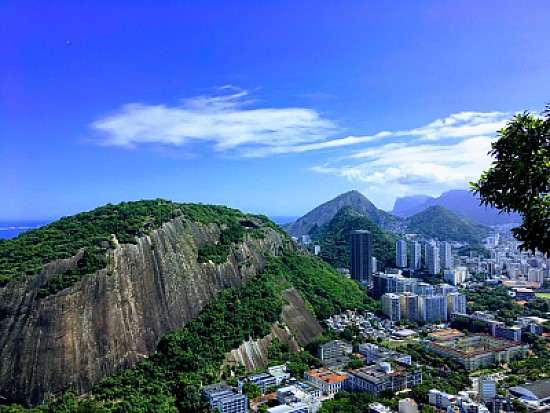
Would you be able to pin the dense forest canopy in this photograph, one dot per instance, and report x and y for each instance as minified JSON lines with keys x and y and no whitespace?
{"x":440,"y":223}
{"x":333,"y":237}
{"x":96,"y":231}
{"x":170,"y":379}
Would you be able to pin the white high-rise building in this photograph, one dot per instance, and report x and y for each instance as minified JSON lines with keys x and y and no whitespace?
{"x":433,"y":308}
{"x":409,"y":306}
{"x":391,"y":306}
{"x":401,"y":254}
{"x":456,"y":276}
{"x":456,"y":303}
{"x":432,"y":259}
{"x":416,"y":256}
{"x":445,"y":255}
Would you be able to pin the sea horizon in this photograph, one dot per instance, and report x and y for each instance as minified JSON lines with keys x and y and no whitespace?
{"x":11,"y":229}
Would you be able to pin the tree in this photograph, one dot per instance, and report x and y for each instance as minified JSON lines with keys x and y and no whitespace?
{"x":519,"y":177}
{"x":251,"y":389}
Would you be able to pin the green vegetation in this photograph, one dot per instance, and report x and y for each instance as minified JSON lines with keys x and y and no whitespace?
{"x":218,"y":253}
{"x":29,"y":252}
{"x":518,"y":179}
{"x":498,"y":301}
{"x":440,"y":223}
{"x":444,"y":373}
{"x":478,"y":250}
{"x":92,"y":259}
{"x":93,"y":234}
{"x":333,"y":237}
{"x":169,"y":380}
{"x":348,"y":402}
{"x":544,"y":296}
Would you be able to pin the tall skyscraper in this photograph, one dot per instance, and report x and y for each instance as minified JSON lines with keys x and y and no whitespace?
{"x":416,"y":256}
{"x":446,"y":258}
{"x":401,"y":254}
{"x":433,"y":308}
{"x":361,"y":255}
{"x":391,"y":306}
{"x":456,"y":303}
{"x":432,"y":259}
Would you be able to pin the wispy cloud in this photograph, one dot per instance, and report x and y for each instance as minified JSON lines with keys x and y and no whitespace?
{"x":443,"y":154}
{"x":459,"y":125}
{"x":225,"y":121}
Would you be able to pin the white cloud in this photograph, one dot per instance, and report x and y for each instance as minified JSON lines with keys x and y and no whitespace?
{"x":444,"y":154}
{"x":223,"y":121}
{"x":408,"y":168}
{"x":460,"y":125}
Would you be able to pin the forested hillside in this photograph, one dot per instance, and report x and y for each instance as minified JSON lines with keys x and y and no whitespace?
{"x":333,"y":237}
{"x":326,"y":211}
{"x":169,"y":380}
{"x":93,"y":233}
{"x":440,"y":223}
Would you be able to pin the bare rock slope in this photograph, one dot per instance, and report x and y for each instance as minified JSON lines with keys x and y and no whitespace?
{"x":115,"y":317}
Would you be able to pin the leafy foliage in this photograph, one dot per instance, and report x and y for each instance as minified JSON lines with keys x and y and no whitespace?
{"x":498,"y":301}
{"x":333,"y":237}
{"x":519,"y":177}
{"x":218,"y":253}
{"x":478,"y":249}
{"x":93,"y":232}
{"x":169,"y":380}
{"x":30,"y":251}
{"x":440,"y":223}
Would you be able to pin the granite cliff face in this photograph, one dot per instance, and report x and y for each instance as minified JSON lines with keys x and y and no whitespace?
{"x":115,"y":317}
{"x":300,"y":328}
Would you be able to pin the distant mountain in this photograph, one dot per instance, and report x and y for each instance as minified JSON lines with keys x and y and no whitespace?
{"x":440,"y":223}
{"x":461,"y":202}
{"x":325,"y":212}
{"x":403,"y":205}
{"x":333,"y":237}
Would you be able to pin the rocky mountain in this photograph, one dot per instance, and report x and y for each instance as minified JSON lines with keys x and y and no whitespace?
{"x":326,"y":211}
{"x":404,"y":205}
{"x":116,"y":316}
{"x":166,"y":288}
{"x":461,"y":202}
{"x":333,"y":237}
{"x":440,"y":223}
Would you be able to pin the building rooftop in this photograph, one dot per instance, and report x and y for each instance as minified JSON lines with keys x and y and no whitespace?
{"x":327,"y":376}
{"x":472,"y":346}
{"x":540,"y":388}
{"x":445,"y":334}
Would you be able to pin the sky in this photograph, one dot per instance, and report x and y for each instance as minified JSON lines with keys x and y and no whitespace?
{"x":270,"y":107}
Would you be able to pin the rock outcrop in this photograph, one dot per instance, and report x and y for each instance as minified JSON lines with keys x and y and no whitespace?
{"x":301,"y":327}
{"x":115,"y":317}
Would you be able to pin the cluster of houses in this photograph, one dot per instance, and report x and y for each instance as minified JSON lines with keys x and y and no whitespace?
{"x":383,"y":369}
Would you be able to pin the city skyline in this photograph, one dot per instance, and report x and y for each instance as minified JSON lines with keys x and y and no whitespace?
{"x":271,"y":108}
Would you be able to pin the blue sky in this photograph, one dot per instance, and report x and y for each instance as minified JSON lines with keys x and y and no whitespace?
{"x":271,"y":107}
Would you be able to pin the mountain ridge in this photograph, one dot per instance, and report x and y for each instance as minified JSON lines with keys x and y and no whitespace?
{"x":327,"y":210}
{"x":138,"y":315}
{"x":461,"y":202}
{"x":438,"y":222}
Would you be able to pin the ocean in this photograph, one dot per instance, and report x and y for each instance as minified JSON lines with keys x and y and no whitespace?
{"x":11,"y":229}
{"x":281,"y":220}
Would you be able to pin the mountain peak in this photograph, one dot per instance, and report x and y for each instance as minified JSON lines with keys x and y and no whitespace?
{"x":441,"y":223}
{"x":459,"y":201}
{"x":326,"y":211}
